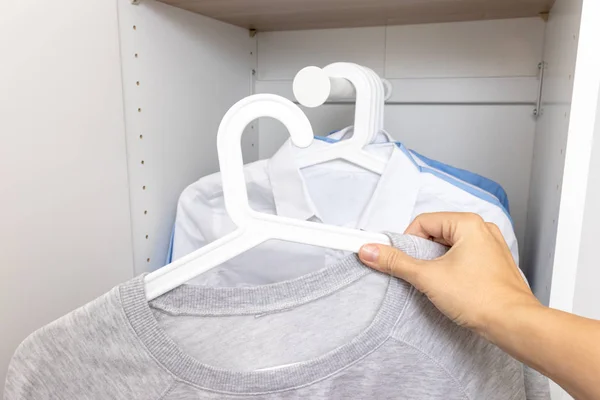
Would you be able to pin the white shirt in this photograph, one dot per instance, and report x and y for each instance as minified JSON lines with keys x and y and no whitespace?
{"x":478,"y":185}
{"x":335,"y":193}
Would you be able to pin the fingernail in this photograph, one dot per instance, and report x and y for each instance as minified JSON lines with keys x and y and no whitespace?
{"x":369,"y":253}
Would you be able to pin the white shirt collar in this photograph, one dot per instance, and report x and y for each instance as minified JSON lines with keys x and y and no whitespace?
{"x":288,"y":186}
{"x":381,"y":137}
{"x":396,"y":190}
{"x":391,"y":206}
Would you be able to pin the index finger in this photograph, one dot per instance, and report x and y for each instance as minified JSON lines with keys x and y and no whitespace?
{"x":439,"y":226}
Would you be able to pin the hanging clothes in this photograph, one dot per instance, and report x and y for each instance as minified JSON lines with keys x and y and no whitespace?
{"x":459,"y":177}
{"x":335,"y":193}
{"x":257,"y":175}
{"x":343,"y":332}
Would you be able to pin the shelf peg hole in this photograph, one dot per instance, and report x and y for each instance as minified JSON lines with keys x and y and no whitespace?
{"x":141,"y":136}
{"x":143,"y":187}
{"x":134,"y":27}
{"x":146,"y":236}
{"x":137,"y":83}
{"x":145,"y":212}
{"x":147,"y":259}
{"x":142,"y":162}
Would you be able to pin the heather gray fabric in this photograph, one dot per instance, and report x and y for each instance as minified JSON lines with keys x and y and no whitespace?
{"x":344,"y":332}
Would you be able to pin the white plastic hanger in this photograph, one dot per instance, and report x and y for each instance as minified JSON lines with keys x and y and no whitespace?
{"x":368,"y":120}
{"x":378,"y":104}
{"x":253,"y":227}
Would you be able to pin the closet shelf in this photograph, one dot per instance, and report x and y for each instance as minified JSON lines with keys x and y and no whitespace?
{"x":281,"y":15}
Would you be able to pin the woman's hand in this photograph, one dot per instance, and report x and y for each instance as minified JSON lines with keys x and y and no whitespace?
{"x":477,"y":285}
{"x":474,"y":282}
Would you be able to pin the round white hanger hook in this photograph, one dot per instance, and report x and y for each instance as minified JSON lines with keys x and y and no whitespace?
{"x":312,"y":87}
{"x":229,"y":147}
{"x":366,"y":96}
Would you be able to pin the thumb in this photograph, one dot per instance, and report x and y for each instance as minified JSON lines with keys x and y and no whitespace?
{"x":391,"y":261}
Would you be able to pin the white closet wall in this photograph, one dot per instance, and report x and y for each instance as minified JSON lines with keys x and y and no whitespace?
{"x":181,"y":73}
{"x":586,"y":296}
{"x":560,"y":51}
{"x":65,"y":228}
{"x":560,"y":255}
{"x":574,"y":250}
{"x":576,"y":273}
{"x":107,"y":111}
{"x":464,"y":92}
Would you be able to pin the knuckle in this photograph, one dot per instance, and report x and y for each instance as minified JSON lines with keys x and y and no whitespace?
{"x":495,"y":231}
{"x":493,"y":227}
{"x":474,"y":218}
{"x":393,"y":261}
{"x":474,"y":221}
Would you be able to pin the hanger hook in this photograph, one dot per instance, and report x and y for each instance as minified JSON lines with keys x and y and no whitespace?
{"x":229,"y":147}
{"x":365,"y":117}
{"x":379,"y":87}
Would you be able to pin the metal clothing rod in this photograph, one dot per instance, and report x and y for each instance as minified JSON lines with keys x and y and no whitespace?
{"x":439,"y":103}
{"x":314,"y":87}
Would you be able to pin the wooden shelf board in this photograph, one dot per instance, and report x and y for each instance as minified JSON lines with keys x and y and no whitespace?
{"x":279,"y":15}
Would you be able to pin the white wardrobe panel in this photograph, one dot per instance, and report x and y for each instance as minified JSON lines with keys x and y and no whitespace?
{"x":509,"y":47}
{"x":586,"y":301}
{"x":577,"y":27}
{"x":65,"y":233}
{"x":460,"y":49}
{"x":282,"y":54}
{"x":181,"y":73}
{"x":560,"y":51}
{"x":574,"y":209}
{"x":518,"y":90}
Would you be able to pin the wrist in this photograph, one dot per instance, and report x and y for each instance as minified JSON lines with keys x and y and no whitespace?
{"x":506,"y":319}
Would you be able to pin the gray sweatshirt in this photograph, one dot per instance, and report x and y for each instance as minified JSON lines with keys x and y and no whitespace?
{"x":344,"y":332}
